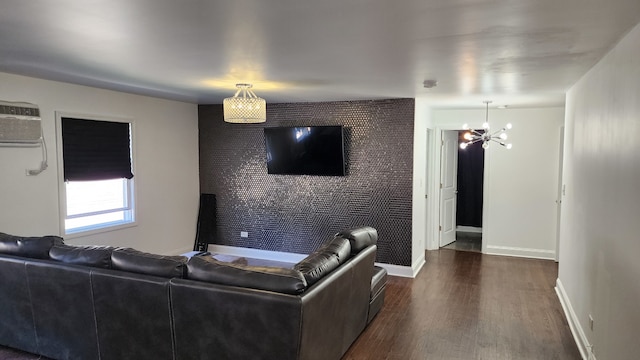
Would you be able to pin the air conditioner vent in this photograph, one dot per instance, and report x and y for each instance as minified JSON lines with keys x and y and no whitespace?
{"x":19,"y":110}
{"x":19,"y":123}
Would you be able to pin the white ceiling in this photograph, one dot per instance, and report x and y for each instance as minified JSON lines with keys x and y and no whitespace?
{"x":515,"y":52}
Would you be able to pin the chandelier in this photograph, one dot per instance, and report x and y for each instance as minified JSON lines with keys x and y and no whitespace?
{"x":485,"y":136}
{"x":245,"y":107}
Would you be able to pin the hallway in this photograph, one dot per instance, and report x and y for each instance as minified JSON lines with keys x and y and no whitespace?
{"x":465,"y":305}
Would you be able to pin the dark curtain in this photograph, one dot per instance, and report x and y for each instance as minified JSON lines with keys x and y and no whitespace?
{"x":470,"y":175}
{"x":95,"y":150}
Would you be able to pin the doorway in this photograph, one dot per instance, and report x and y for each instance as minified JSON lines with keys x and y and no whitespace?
{"x":467,"y":171}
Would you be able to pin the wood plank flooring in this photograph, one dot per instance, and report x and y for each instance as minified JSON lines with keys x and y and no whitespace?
{"x":465,"y":305}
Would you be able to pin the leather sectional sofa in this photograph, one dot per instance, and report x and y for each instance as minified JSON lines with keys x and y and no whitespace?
{"x":92,"y":302}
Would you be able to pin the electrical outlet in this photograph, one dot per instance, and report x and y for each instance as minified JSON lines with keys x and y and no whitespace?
{"x":244,"y":234}
{"x":590,"y":322}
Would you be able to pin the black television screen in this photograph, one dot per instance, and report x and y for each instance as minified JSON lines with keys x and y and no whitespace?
{"x":305,"y":150}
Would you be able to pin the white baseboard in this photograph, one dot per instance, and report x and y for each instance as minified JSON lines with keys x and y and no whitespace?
{"x":418,"y":266}
{"x":521,"y":252}
{"x":179,"y":251}
{"x":574,"y":324}
{"x":470,"y":229}
{"x":397,"y":270}
{"x":256,"y":253}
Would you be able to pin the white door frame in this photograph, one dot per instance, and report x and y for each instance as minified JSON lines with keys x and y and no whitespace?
{"x":434,"y":160}
{"x":429,"y":195}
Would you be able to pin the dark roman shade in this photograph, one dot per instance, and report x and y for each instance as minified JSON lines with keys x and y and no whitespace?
{"x":95,"y":150}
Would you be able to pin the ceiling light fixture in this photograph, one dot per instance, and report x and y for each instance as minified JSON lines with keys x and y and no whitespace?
{"x":474,"y":136}
{"x":245,"y":107}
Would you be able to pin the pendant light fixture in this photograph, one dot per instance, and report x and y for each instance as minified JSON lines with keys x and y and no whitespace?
{"x":245,"y":107}
{"x":486,"y":136}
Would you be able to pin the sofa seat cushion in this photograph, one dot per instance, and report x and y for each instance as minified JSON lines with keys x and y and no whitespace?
{"x":378,"y":280}
{"x":378,"y":285}
{"x":324,"y":260}
{"x":94,"y":256}
{"x":360,"y":237}
{"x":206,"y":268}
{"x":31,"y":247}
{"x":150,"y":264}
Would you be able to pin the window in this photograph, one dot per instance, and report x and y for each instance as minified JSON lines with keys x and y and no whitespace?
{"x":97,"y":177}
{"x":96,"y":204}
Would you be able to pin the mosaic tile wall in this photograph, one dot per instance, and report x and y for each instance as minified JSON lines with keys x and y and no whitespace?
{"x":298,"y":213}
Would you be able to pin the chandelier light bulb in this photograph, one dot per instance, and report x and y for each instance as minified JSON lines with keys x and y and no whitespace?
{"x":485,"y":137}
{"x":509,"y":146}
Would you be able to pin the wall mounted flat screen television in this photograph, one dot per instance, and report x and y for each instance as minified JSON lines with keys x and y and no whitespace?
{"x":305,"y":150}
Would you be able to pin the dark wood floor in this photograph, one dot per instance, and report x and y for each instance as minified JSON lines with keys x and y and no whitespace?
{"x":465,"y":305}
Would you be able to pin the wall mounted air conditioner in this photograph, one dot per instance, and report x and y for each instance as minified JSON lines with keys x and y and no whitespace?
{"x":20,"y":123}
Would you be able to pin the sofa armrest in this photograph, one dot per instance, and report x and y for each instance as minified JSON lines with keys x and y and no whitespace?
{"x":335,"y":308}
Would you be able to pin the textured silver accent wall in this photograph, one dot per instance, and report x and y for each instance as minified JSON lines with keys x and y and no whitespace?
{"x":297,"y":213}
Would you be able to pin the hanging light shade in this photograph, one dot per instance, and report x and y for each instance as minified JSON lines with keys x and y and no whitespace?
{"x":486,"y":136}
{"x":245,"y":107}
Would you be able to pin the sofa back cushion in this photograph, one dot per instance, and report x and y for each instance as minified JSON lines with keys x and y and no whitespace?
{"x":94,"y":256}
{"x":150,"y":264}
{"x":206,"y":268}
{"x":324,"y":260}
{"x":339,"y":247}
{"x":360,"y":237}
{"x":31,"y":247}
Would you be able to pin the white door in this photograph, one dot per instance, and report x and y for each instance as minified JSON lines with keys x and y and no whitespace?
{"x":448,"y":185}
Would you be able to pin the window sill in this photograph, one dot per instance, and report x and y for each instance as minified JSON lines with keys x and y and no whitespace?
{"x":98,"y":230}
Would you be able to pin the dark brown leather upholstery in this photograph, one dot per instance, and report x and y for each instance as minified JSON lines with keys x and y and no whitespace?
{"x":327,"y":258}
{"x":16,"y":319}
{"x":68,"y":311}
{"x":360,"y":237}
{"x":133,"y":316}
{"x":62,"y":301}
{"x":96,"y":256}
{"x":150,"y":264}
{"x":321,"y":323}
{"x":378,"y":280}
{"x":233,"y":323}
{"x":340,"y":247}
{"x":206,"y":268}
{"x":378,"y":285}
{"x":335,"y":309}
{"x":31,"y":247}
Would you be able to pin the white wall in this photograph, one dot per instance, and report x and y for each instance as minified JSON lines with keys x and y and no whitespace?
{"x":422,"y":122}
{"x":520,"y":184}
{"x":166,"y":156}
{"x":600,"y":229}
